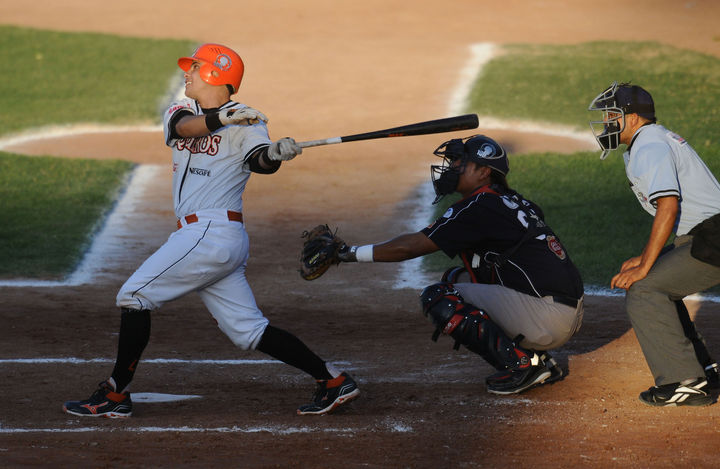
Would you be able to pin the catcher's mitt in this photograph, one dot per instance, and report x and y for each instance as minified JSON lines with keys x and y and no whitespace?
{"x":319,"y":252}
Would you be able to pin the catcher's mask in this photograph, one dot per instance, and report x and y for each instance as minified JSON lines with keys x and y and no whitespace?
{"x":220,"y":65}
{"x":477,"y":148}
{"x":616,"y":101}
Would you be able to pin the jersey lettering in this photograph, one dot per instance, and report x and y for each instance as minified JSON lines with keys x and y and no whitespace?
{"x":522,"y":217}
{"x":208,"y":144}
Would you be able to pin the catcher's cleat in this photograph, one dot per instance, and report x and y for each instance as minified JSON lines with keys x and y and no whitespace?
{"x":521,"y":378}
{"x":692,"y":392}
{"x":556,"y":373}
{"x":104,"y":402}
{"x":330,"y":394}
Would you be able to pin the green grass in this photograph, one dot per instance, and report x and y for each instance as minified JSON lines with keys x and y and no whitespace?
{"x":555,"y":84}
{"x":49,"y":206}
{"x":587,"y":201}
{"x":63,"y":78}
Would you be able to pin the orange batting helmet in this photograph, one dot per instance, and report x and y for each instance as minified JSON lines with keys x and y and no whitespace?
{"x":220,"y":65}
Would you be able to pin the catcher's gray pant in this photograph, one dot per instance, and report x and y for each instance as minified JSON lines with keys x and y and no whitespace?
{"x":650,"y":304}
{"x":543,"y":323}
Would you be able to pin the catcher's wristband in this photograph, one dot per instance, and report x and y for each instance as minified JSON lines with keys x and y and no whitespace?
{"x":364,"y":253}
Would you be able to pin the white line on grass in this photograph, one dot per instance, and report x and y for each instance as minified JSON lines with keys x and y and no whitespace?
{"x":109,"y":242}
{"x":58,"y":131}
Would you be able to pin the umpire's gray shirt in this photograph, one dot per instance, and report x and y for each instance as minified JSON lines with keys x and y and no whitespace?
{"x":660,"y":163}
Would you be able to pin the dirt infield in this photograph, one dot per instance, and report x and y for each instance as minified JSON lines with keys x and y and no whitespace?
{"x":321,"y":68}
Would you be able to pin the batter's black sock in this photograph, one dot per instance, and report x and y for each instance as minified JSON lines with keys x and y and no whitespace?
{"x":134,"y":336}
{"x":287,"y":348}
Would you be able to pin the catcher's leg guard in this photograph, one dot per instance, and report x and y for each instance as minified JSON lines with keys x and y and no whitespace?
{"x":471,"y":327}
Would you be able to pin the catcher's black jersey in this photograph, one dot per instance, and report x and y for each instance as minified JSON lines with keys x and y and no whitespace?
{"x":502,"y":239}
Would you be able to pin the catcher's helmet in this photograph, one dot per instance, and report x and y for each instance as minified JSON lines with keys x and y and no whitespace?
{"x":614,"y":102}
{"x":220,"y":65}
{"x":476,"y":148}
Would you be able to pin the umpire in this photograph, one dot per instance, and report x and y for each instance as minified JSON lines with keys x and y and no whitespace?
{"x":673,"y":184}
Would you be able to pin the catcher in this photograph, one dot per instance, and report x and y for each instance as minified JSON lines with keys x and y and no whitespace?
{"x":516,"y":295}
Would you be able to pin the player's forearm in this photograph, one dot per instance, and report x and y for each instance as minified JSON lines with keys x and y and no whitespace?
{"x":192,"y":126}
{"x":667,"y":210}
{"x":403,"y":247}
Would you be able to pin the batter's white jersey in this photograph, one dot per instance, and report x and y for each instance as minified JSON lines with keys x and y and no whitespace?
{"x":209,"y":253}
{"x":661,"y":163}
{"x":210,"y":172}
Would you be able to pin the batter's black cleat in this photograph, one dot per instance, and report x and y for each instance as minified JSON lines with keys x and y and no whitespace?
{"x":330,"y":394}
{"x":693,"y":392}
{"x":104,"y":402}
{"x":521,"y":378}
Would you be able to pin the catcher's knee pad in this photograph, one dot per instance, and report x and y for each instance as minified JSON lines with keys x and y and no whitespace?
{"x":439,"y":304}
{"x":470,"y":326}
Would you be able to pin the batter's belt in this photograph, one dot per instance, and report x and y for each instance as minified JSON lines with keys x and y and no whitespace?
{"x":193,"y":218}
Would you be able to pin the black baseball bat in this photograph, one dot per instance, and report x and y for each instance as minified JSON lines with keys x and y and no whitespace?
{"x":448,"y":124}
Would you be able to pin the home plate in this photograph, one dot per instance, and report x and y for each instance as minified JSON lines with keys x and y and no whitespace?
{"x":158,"y":397}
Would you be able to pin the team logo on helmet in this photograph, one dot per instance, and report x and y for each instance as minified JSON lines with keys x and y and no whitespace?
{"x":487,"y":151}
{"x":223,"y":62}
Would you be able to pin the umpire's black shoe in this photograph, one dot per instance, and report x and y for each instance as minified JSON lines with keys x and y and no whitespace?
{"x":693,"y":392}
{"x":712,"y":374}
{"x":330,"y":394}
{"x":522,"y":378}
{"x":104,"y":402}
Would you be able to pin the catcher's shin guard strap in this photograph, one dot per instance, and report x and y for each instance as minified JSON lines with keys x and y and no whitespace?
{"x":470,"y":326}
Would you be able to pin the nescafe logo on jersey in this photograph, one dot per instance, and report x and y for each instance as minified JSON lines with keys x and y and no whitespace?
{"x":200,"y":171}
{"x":208,"y":144}
{"x":556,"y":247}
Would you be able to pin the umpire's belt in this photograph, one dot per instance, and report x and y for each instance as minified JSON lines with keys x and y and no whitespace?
{"x":210,"y":214}
{"x":566,"y":300}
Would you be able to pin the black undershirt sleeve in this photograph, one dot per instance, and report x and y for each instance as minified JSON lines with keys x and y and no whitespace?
{"x":173,"y":122}
{"x":262,"y":154}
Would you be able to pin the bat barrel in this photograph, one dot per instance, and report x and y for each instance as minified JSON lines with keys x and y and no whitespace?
{"x":448,"y":124}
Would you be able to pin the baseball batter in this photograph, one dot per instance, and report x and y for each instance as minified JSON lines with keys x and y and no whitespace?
{"x":673,"y":184}
{"x":216,"y":145}
{"x":517,"y":294}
